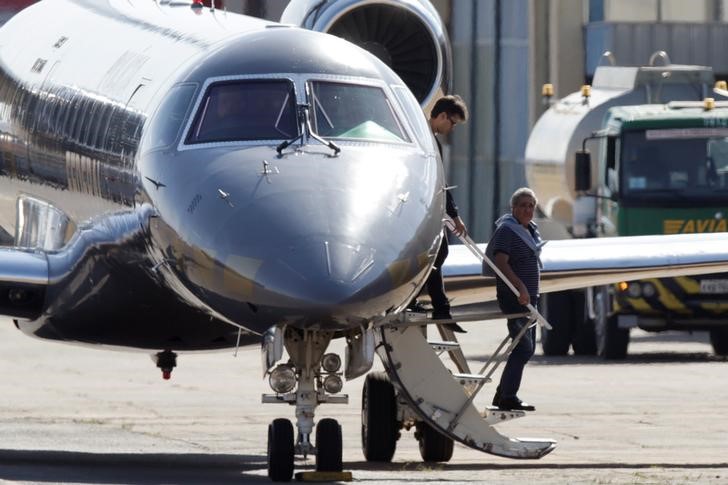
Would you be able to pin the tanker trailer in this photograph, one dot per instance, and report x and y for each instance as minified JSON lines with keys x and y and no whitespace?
{"x":592,"y":320}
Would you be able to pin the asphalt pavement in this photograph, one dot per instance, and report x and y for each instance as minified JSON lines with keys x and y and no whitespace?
{"x":83,"y":415}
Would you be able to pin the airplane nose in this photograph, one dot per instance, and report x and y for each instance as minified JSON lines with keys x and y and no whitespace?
{"x":337,"y":261}
{"x":318,"y":240}
{"x":320,"y":271}
{"x":323,"y":280}
{"x":309,"y":272}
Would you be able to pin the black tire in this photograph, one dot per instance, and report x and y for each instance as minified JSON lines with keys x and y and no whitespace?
{"x":280,"y":450}
{"x":557,"y":308}
{"x":719,"y":340}
{"x":434,"y":446}
{"x":379,"y":427}
{"x":612,"y":341}
{"x":328,"y":446}
{"x":584,"y":340}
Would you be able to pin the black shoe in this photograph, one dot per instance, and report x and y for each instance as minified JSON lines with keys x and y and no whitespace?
{"x":514,"y":404}
{"x":455,"y":328}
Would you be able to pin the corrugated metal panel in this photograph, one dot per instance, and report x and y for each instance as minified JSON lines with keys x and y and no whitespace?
{"x":632,"y":43}
{"x":471,"y":160}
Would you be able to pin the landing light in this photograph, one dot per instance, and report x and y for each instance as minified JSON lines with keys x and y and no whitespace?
{"x":282,"y":379}
{"x":333,"y":383}
{"x":331,"y":362}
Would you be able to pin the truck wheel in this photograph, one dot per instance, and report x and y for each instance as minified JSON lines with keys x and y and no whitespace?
{"x":719,"y":340}
{"x":558,"y":312}
{"x":612,"y":341}
{"x":584,"y":341}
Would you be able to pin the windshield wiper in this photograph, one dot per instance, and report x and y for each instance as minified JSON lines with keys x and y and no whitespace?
{"x":306,"y":130}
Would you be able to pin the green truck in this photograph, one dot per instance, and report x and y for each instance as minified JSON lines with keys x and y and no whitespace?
{"x":632,"y":169}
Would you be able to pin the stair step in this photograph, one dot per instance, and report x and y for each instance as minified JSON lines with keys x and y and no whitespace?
{"x":469,"y":379}
{"x":441,"y":345}
{"x":494,"y":415}
{"x":407,"y":318}
{"x":441,"y":399}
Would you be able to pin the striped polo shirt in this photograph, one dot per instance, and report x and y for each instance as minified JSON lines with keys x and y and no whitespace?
{"x":521,"y":258}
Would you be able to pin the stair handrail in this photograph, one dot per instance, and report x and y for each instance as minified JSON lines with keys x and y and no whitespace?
{"x":473,"y":247}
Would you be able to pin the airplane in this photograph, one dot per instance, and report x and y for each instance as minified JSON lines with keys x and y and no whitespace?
{"x":176,"y":178}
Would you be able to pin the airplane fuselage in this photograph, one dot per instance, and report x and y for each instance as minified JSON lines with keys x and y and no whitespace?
{"x":167,"y":229}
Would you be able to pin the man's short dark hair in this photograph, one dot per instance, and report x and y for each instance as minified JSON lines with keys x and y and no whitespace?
{"x":453,"y":105}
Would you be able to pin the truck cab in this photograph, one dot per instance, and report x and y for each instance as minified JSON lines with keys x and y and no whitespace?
{"x":664,"y":170}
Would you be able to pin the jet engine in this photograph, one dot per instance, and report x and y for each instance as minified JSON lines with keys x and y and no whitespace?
{"x":408,"y":35}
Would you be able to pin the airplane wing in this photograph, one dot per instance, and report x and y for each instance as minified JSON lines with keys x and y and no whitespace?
{"x":579,"y":263}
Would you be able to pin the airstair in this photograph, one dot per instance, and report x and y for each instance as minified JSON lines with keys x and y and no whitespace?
{"x":444,"y":399}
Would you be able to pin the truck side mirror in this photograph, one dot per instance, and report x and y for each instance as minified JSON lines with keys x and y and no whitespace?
{"x":582,"y":169}
{"x":611,"y":148}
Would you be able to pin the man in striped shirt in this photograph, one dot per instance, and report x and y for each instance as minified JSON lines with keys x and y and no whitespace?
{"x":516,"y":247}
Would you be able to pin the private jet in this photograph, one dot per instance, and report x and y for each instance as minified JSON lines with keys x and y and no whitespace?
{"x":177,"y":178}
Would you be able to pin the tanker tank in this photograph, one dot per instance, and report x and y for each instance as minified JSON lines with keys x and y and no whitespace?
{"x":560,"y":131}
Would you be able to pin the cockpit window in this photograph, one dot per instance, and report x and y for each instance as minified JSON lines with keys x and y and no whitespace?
{"x":168,"y":120}
{"x":342,"y":110}
{"x":246,"y":110}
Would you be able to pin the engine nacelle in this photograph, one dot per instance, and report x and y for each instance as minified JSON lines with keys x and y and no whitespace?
{"x":408,"y":35}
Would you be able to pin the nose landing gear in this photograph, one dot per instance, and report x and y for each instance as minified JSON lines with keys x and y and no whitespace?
{"x":305,"y":381}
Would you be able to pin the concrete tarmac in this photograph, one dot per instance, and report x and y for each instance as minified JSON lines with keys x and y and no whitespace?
{"x":71,"y":414}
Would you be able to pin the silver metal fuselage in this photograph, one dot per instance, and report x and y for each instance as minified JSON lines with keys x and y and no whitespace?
{"x":176,"y":246}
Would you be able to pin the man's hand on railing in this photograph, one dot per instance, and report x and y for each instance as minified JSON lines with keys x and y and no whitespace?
{"x":458,"y":227}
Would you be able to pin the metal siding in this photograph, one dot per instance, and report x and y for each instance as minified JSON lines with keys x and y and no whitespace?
{"x":598,"y":36}
{"x":473,"y":168}
{"x":632,"y":43}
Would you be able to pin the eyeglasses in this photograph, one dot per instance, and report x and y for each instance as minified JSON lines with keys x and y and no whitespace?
{"x":452,"y":122}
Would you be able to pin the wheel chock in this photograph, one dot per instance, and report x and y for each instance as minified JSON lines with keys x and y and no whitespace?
{"x":314,"y":476}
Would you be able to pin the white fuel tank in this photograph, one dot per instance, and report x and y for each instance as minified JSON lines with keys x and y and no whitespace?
{"x":559,"y":132}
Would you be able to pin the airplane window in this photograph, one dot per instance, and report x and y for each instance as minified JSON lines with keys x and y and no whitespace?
{"x":416,"y":115}
{"x":342,"y":110}
{"x":246,"y":110}
{"x":168,"y":119}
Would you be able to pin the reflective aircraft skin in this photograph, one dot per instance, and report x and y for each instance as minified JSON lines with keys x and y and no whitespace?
{"x":179,"y":179}
{"x":221,"y":230}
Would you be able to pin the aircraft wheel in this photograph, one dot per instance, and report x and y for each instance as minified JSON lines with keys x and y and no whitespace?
{"x":434,"y":446}
{"x":558,"y":312}
{"x":612,"y":341}
{"x":280,"y":450}
{"x":379,"y":428}
{"x":719,"y":340}
{"x":328,"y":446}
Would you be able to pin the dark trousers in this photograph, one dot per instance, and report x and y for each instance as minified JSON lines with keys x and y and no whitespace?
{"x":510,"y":380}
{"x":435,"y":285}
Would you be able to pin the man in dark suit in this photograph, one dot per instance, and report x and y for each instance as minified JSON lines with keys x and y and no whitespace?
{"x":448,"y":112}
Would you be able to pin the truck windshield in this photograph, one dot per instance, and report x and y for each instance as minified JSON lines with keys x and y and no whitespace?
{"x":246,"y":110}
{"x":345,"y":110}
{"x":688,"y":163}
